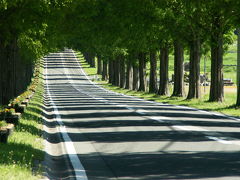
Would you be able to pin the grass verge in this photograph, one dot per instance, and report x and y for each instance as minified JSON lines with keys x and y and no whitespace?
{"x":20,"y":157}
{"x":226,"y":107}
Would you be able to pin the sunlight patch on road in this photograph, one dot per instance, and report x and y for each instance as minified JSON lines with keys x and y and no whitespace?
{"x":189,"y":128}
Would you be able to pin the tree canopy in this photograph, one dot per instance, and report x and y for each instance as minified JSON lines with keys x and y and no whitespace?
{"x":113,"y":28}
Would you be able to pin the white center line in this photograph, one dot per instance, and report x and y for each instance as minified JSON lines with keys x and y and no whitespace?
{"x":189,"y":128}
{"x":129,"y":108}
{"x":141,"y":111}
{"x":219,"y":140}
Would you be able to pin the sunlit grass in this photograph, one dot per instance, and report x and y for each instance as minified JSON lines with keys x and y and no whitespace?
{"x":20,"y":158}
{"x":90,"y":71}
{"x":226,"y":107}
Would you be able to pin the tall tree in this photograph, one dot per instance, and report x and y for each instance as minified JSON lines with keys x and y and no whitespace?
{"x":216,"y":89}
{"x":153,"y":72}
{"x":122,"y":72}
{"x":111,"y":71}
{"x":135,"y":77}
{"x":116,"y":66}
{"x":178,"y":80}
{"x":129,"y":75}
{"x":220,"y":17}
{"x":175,"y":23}
{"x":164,"y":61}
{"x":104,"y":70}
{"x":194,"y":36}
{"x":142,"y":71}
{"x":238,"y":67}
{"x":99,"y":64}
{"x":194,"y":69}
{"x":24,"y":37}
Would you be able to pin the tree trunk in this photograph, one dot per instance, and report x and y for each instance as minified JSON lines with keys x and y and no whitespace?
{"x":122,"y":71}
{"x":129,"y":75}
{"x":99,"y":64}
{"x":8,"y":81}
{"x":104,"y":71}
{"x":2,"y":77}
{"x":116,"y":72}
{"x":135,"y":77}
{"x":15,"y":74}
{"x":216,"y":89}
{"x":194,"y":70}
{"x":238,"y":94}
{"x":85,"y":55}
{"x":164,"y":61}
{"x":238,"y":69}
{"x":178,"y":89}
{"x":110,"y":71}
{"x":20,"y":77}
{"x":16,"y":70}
{"x":92,"y":60}
{"x":153,"y":72}
{"x":11,"y":74}
{"x":142,"y":71}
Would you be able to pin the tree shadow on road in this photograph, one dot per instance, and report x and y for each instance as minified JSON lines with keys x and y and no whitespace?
{"x":181,"y":154}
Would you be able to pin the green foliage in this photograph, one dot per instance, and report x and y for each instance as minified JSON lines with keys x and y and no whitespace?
{"x":29,"y":49}
{"x":104,"y":27}
{"x":110,"y":28}
{"x":2,"y":123}
{"x":33,"y":24}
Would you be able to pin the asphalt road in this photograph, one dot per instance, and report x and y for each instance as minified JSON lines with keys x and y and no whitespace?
{"x":92,"y":133}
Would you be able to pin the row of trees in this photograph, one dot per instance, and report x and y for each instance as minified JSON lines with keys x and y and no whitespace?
{"x":28,"y":30}
{"x":125,"y":34}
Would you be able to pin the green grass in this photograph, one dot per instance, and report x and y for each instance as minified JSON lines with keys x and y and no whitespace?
{"x":226,"y":107}
{"x":230,"y":58}
{"x":89,"y":70}
{"x":25,"y":146}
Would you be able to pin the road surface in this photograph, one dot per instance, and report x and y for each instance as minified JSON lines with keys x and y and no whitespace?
{"x":92,"y":133}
